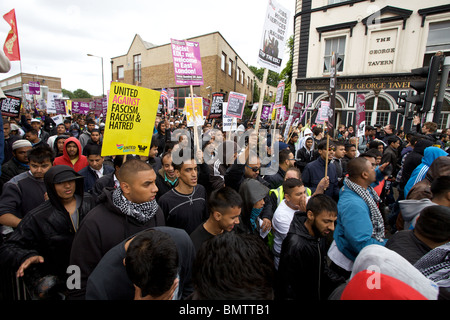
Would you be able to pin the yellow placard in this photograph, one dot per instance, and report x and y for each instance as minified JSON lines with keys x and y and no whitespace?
{"x":198,"y":106}
{"x":130,"y":120}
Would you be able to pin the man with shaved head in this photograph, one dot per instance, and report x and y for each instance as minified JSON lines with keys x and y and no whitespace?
{"x":360,"y":222}
{"x":120,"y":213}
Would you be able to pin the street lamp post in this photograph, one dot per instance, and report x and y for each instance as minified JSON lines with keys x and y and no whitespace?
{"x":103,"y":77}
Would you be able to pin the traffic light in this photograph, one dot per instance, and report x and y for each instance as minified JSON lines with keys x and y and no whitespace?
{"x":425,"y":88}
{"x":402,"y":108}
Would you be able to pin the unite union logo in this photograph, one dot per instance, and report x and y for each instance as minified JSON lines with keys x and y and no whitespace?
{"x":119,"y":146}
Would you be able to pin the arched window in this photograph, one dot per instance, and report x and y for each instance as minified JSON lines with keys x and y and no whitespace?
{"x":378,"y":111}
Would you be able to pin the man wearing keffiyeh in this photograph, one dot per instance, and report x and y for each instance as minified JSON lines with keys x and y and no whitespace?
{"x":120,"y":213}
{"x":360,"y":222}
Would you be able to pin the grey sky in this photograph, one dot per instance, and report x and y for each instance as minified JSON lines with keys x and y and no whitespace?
{"x":56,"y":36}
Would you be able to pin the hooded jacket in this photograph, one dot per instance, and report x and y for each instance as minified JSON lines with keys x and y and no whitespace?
{"x":430,"y":154}
{"x":104,"y":227}
{"x":305,"y":156}
{"x":388,"y":263}
{"x":420,"y":194}
{"x":413,"y":160}
{"x":47,"y":230}
{"x":303,"y":273}
{"x":65,"y":159}
{"x":163,"y":185}
{"x":251,"y":191}
{"x":440,"y":167}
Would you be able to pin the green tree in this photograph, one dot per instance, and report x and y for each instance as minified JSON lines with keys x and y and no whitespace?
{"x":286,"y":73}
{"x":80,"y":93}
{"x":67,"y":93}
{"x":272,"y":77}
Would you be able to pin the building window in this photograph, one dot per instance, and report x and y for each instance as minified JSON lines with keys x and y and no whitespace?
{"x":230,"y":68}
{"x":445,"y":116}
{"x":378,"y":111}
{"x":223,"y":62}
{"x":336,"y":1}
{"x":137,"y":68}
{"x":238,"y":75}
{"x":438,"y":40}
{"x":120,"y":74}
{"x":336,"y":45}
{"x":248,"y":82}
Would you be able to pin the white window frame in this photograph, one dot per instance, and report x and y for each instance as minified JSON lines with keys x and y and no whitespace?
{"x":327,"y":38}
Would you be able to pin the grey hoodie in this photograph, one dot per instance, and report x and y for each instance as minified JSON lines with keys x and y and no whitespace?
{"x":411,"y":209}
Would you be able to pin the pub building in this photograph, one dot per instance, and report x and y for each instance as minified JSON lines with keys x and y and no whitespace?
{"x":377,"y":45}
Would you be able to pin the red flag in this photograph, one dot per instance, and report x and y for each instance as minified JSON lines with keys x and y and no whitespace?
{"x":11,"y":46}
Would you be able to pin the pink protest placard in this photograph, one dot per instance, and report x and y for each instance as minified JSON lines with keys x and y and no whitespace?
{"x":187,"y":63}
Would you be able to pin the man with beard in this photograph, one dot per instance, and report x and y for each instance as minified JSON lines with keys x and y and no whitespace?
{"x":303,"y":273}
{"x":18,"y":163}
{"x":72,"y":156}
{"x":224,"y":207}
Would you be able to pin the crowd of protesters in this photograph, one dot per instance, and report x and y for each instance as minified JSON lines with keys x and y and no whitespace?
{"x":214,"y":219}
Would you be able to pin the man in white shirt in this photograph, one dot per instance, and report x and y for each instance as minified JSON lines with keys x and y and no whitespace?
{"x":294,"y":200}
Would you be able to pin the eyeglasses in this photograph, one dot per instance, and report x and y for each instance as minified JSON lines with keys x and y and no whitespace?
{"x":253,"y":169}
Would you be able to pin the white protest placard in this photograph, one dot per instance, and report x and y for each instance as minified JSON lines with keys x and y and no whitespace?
{"x":274,"y":37}
{"x":322,"y":114}
{"x":51,"y":107}
{"x":228,"y":123}
{"x":58,"y":119}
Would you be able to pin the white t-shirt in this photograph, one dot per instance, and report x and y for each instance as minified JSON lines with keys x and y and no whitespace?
{"x":281,"y":222}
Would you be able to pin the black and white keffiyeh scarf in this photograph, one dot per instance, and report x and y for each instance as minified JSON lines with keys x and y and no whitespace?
{"x":371,"y":198}
{"x":435,"y":265}
{"x":142,"y":212}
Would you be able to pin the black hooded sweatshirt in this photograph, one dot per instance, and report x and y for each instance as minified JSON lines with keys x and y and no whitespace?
{"x":47,"y":230}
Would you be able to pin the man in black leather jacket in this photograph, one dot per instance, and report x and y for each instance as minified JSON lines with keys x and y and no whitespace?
{"x":303,"y":272}
{"x":40,"y":246}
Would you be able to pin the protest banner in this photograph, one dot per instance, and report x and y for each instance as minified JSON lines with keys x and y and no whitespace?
{"x":280,"y":94}
{"x":187,"y":63}
{"x":236,"y":104}
{"x":228,"y":123}
{"x":130,"y":120}
{"x":297,"y":110}
{"x":265,"y":112}
{"x":60,"y":106}
{"x":332,"y":106}
{"x":217,"y":105}
{"x":58,"y":119}
{"x":51,"y":108}
{"x":360,"y":115}
{"x":80,"y":107}
{"x":206,"y":107}
{"x":274,"y":37}
{"x":105,"y":106}
{"x":171,"y":100}
{"x":194,"y":117}
{"x":10,"y":106}
{"x":288,"y":127}
{"x":322,"y":115}
{"x":34,"y":88}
